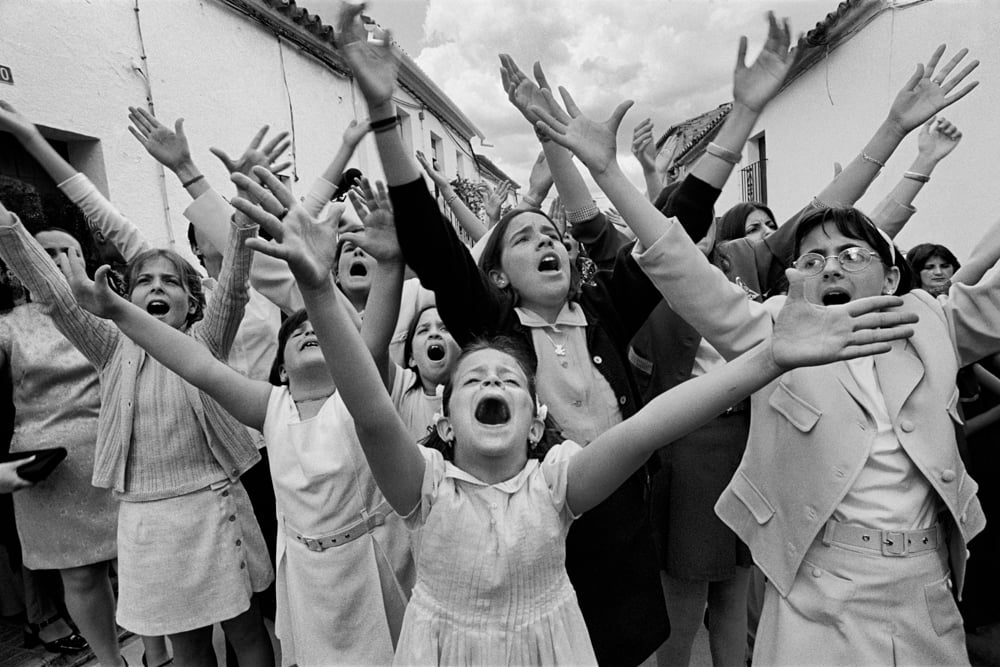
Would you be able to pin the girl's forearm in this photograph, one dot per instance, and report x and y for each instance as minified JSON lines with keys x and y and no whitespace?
{"x":636,"y":210}
{"x":399,"y":166}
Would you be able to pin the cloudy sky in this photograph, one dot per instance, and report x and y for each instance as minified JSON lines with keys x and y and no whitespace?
{"x":673,"y":57}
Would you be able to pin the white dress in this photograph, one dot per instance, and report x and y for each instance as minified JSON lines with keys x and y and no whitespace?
{"x":492,"y":587}
{"x":342,"y":604}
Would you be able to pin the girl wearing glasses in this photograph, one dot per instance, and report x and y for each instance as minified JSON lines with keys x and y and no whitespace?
{"x":851,"y":495}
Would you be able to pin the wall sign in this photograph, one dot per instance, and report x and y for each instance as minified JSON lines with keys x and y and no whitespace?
{"x":6,"y":76}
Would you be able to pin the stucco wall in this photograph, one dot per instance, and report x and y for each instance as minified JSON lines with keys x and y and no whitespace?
{"x":830,"y":112}
{"x":74,"y":67}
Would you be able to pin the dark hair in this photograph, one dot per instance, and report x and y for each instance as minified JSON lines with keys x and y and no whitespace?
{"x":920,"y":254}
{"x":288,"y":327}
{"x":344,"y":184}
{"x":732,"y":224}
{"x":190,"y":275}
{"x":854,"y":224}
{"x":490,"y":259}
{"x":518,"y":350}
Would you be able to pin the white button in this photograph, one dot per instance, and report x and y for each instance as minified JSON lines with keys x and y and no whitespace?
{"x":963,"y":517}
{"x":817,"y":572}
{"x":948,"y":475}
{"x":622,"y":400}
{"x":906,"y":425}
{"x":948,"y":584}
{"x":597,"y":359}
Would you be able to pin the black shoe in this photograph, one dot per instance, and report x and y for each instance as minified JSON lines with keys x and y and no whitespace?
{"x":71,"y":643}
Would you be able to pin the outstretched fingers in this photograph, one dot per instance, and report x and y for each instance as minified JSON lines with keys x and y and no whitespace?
{"x":267,"y":221}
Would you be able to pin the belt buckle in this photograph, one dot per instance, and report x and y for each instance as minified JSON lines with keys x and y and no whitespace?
{"x":894,"y":543}
{"x":374,"y":520}
{"x":311,"y":544}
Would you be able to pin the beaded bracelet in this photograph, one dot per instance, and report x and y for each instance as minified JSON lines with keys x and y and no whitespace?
{"x":868,"y":158}
{"x":583,"y":214}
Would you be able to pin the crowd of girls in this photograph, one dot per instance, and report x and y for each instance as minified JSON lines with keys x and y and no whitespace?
{"x":515,"y":461}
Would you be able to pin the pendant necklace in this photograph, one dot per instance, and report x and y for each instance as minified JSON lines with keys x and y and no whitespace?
{"x":558,"y":348}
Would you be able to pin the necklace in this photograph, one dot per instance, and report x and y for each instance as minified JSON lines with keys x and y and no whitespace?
{"x":558,"y":348}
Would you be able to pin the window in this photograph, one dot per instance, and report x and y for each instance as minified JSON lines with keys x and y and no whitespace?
{"x":406,"y":129}
{"x":437,"y":152}
{"x":754,"y":175}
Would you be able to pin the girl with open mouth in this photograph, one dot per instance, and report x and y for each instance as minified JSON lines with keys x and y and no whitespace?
{"x":491,"y":505}
{"x":190,"y":551}
{"x":851,"y":495}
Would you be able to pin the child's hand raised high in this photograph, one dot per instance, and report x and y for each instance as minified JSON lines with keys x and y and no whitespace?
{"x":378,"y":238}
{"x":594,"y":143}
{"x":807,"y":334}
{"x":309,"y":247}
{"x":94,"y":295}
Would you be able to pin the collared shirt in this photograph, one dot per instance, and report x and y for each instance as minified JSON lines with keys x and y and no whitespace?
{"x":889,"y":492}
{"x":579,"y":398}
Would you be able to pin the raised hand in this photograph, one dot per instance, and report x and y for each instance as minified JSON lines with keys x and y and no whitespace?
{"x":309,"y":247}
{"x":495,"y":200}
{"x":927,"y":91}
{"x":94,"y":295}
{"x":355,"y":132}
{"x":643,"y":146}
{"x":168,"y":147}
{"x":440,"y":179}
{"x":594,"y":143}
{"x":257,"y":155}
{"x":522,"y":92}
{"x":378,"y":238}
{"x":374,"y":61}
{"x":938,"y":137}
{"x":754,"y":86}
{"x":807,"y":334}
{"x":13,"y":121}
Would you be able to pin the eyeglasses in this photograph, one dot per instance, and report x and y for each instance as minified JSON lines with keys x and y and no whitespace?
{"x":851,"y":260}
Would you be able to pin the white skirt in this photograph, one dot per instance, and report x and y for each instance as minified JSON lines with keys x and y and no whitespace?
{"x":189,"y":561}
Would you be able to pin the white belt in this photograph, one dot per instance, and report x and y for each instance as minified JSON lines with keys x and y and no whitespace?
{"x":367,"y":522}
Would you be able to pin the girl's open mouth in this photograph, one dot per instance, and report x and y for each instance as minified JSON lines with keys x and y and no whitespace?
{"x":549,"y":263}
{"x":492,"y":411}
{"x":836,"y":297}
{"x":358,"y":270}
{"x":435,"y":351}
{"x":157,"y":308}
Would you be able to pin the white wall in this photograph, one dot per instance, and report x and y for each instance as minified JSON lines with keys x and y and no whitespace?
{"x":73,"y":66}
{"x":830,"y":112}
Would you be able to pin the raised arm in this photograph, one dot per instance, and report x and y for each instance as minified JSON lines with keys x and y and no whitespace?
{"x":644,"y":150}
{"x":526,"y":94}
{"x":938,"y":138}
{"x":308,"y":247}
{"x":430,"y":246}
{"x":804,"y":335}
{"x":225,"y":309}
{"x":326,"y":185}
{"x":244,"y":398}
{"x":378,"y":239}
{"x":95,"y":338}
{"x":695,"y":289}
{"x":753,"y":88}
{"x":924,"y":95}
{"x":101,"y":215}
{"x":469,"y":221}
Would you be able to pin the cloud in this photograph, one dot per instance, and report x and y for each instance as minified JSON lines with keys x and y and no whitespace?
{"x":674,"y":59}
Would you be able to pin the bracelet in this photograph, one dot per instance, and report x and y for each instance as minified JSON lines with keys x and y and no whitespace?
{"x":385,"y":124}
{"x":583,"y":214}
{"x":542,"y":138}
{"x":449,"y":200}
{"x":868,"y":158}
{"x":916,"y":176}
{"x":192,"y":181}
{"x":723,"y":153}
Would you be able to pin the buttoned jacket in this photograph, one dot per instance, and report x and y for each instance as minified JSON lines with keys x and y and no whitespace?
{"x":811,"y":431}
